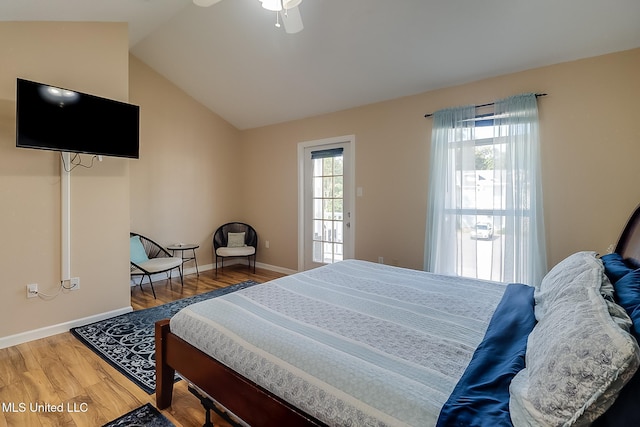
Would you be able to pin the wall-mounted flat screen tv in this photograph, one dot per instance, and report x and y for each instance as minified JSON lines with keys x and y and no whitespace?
{"x":53,"y":118}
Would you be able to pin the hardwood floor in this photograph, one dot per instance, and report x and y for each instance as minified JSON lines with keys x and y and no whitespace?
{"x":80,"y":388}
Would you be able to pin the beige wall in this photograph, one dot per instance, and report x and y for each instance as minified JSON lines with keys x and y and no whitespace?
{"x":590,"y":137}
{"x":88,"y":57}
{"x":189,"y":175}
{"x":197,"y":172}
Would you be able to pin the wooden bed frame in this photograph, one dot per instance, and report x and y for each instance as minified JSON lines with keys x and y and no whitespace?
{"x":252,"y":403}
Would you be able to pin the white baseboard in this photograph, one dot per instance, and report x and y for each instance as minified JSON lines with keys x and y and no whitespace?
{"x":208,"y":267}
{"x":174,"y":275}
{"x":258,"y":264}
{"x":276,"y":268}
{"x":235,"y":261}
{"x":47,"y":331}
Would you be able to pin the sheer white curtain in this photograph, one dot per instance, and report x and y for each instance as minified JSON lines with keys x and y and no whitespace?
{"x":453,"y":129}
{"x":484,"y":216}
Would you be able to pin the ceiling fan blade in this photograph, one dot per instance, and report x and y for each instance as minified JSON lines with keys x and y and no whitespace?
{"x":205,"y":3}
{"x":292,"y":20}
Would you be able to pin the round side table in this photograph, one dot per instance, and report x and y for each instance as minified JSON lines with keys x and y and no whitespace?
{"x":181,"y":247}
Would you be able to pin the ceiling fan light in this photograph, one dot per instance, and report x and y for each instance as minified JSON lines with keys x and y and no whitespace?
{"x":205,"y":3}
{"x":290,"y":4}
{"x":274,"y":5}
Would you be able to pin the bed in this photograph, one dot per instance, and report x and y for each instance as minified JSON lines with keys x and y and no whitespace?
{"x":359,"y":343}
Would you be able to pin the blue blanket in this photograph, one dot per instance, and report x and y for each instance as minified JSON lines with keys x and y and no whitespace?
{"x":481,"y":397}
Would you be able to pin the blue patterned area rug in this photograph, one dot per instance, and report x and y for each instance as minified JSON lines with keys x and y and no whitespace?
{"x":127,"y":341}
{"x":146,"y":415}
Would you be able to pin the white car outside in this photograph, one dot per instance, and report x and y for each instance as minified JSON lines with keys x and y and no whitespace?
{"x":482,"y":231}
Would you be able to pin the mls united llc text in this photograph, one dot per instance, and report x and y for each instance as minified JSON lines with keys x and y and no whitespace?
{"x":22,"y":407}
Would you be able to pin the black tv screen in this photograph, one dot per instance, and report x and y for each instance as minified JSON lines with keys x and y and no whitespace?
{"x":53,"y":118}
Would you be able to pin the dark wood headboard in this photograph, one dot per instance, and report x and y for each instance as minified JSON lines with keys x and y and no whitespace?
{"x":629,"y":243}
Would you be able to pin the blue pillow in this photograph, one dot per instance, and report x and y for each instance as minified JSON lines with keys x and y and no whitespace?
{"x":614,"y":267}
{"x":625,"y":411}
{"x":137,"y":253}
{"x":628,"y":296}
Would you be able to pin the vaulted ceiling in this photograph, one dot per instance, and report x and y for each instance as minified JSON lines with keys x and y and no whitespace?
{"x":233,"y":59}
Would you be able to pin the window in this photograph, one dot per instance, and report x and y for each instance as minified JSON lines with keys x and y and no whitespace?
{"x":485,"y":204}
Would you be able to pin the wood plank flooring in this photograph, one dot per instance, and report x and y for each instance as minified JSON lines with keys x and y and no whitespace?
{"x":62,"y":373}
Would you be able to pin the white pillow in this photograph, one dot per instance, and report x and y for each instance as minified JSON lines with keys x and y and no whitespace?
{"x":582,"y":269}
{"x":578,"y":357}
{"x":235,"y":240}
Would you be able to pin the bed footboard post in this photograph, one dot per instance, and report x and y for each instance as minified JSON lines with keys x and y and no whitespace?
{"x":164,"y":373}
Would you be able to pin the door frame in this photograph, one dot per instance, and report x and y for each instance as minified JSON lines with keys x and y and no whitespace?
{"x":349,"y":250}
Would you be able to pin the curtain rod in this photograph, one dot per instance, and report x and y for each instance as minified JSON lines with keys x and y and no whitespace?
{"x":487,"y":105}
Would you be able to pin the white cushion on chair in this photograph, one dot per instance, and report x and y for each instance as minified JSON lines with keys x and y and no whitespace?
{"x":156,"y":265}
{"x":240,"y":251}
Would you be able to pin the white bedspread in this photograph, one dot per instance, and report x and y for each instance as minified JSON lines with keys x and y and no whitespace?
{"x":352,"y":343}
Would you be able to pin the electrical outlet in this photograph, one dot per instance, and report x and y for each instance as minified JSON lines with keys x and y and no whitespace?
{"x":32,"y":290}
{"x":266,"y":244}
{"x":381,"y":260}
{"x":74,"y":283}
